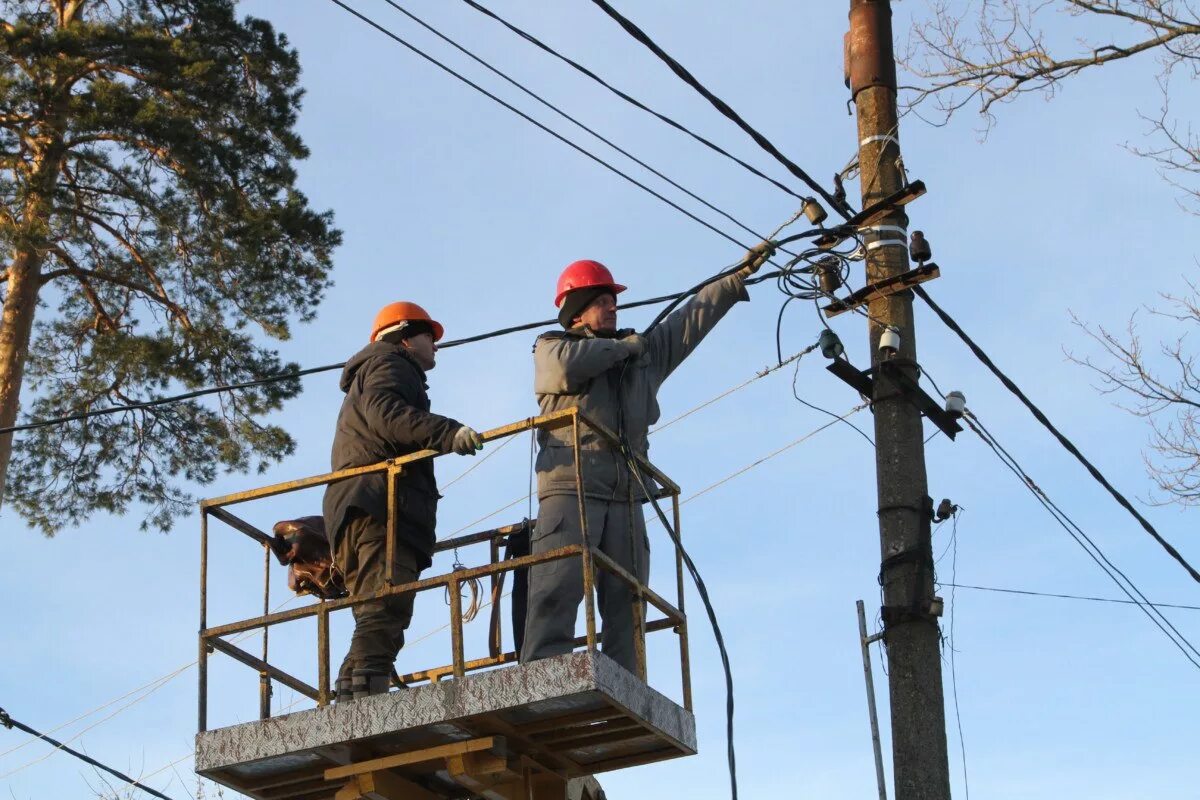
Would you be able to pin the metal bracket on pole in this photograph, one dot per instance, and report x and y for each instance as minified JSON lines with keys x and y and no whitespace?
{"x":863,"y":382}
{"x":883,"y":288}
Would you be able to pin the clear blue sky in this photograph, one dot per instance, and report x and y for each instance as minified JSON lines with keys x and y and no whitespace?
{"x":451,"y":201}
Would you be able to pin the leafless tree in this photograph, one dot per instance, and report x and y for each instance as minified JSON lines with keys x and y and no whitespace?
{"x":1162,"y":385}
{"x":984,"y":53}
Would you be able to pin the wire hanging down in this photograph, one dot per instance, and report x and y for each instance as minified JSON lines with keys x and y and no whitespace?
{"x":1048,"y":425}
{"x":631,"y":100}
{"x":637,"y":33}
{"x":9,"y":722}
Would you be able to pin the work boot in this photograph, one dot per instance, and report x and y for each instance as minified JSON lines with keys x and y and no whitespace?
{"x":343,"y":690}
{"x":367,"y":682}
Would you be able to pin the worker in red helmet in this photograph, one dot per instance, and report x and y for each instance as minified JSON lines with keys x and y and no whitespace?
{"x":385,"y":414}
{"x":613,"y":376}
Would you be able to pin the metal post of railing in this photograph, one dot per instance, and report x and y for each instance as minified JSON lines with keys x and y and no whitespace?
{"x":264,"y":679}
{"x":456,"y":628}
{"x":865,"y":642}
{"x":495,"y":633}
{"x":393,"y":524}
{"x":685,"y":666}
{"x":322,"y":654}
{"x":589,"y":604}
{"x":202,"y":658}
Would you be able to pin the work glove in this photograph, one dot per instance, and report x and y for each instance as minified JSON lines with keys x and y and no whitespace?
{"x":755,"y":257}
{"x":634,"y":345}
{"x":466,"y":441}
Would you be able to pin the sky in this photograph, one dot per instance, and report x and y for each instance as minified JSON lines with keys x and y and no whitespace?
{"x":449,"y":200}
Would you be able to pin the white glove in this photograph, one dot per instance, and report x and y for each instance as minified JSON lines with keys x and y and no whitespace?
{"x":466,"y":441}
{"x":755,"y":257}
{"x":634,"y":345}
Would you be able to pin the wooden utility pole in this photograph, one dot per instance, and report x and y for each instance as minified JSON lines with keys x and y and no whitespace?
{"x":920,"y":765}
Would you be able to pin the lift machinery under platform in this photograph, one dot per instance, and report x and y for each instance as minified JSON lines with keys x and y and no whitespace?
{"x":474,"y":728}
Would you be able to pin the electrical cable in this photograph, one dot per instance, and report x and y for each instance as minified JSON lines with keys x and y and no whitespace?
{"x":572,"y":119}
{"x":1048,"y":425}
{"x":413,"y":48}
{"x":283,"y":376}
{"x":1077,"y":533}
{"x":637,"y":33}
{"x":8,"y":722}
{"x":1070,"y":596}
{"x":825,"y":411}
{"x":631,"y":100}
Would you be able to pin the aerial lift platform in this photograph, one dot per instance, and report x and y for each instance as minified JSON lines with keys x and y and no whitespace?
{"x":474,"y":728}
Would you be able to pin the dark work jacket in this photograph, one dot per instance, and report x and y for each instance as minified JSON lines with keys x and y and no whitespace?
{"x":386,"y":415}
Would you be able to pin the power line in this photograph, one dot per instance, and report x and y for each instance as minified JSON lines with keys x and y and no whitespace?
{"x":9,"y":722}
{"x":762,"y":141}
{"x":1048,"y":425}
{"x":401,"y":41}
{"x":283,"y":376}
{"x":629,"y":99}
{"x":1084,"y":541}
{"x":570,"y":118}
{"x":1069,"y":596}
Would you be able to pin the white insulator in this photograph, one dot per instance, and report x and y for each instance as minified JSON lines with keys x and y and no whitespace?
{"x":889,"y":340}
{"x":956,"y":404}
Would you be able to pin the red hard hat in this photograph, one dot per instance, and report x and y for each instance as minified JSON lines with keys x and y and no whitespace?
{"x":395,"y":313}
{"x":585,"y":274}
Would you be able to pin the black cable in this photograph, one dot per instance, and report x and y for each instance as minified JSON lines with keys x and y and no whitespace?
{"x":631,"y":100}
{"x":702,"y":589}
{"x":9,"y":722}
{"x":1046,"y":423}
{"x":974,"y":421}
{"x":825,"y":411}
{"x":570,"y":118}
{"x":1077,"y":533}
{"x":283,"y":376}
{"x":637,"y":33}
{"x":1069,"y":596}
{"x":399,"y":40}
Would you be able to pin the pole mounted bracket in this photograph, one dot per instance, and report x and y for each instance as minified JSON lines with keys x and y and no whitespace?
{"x":893,"y":370}
{"x":880,"y":289}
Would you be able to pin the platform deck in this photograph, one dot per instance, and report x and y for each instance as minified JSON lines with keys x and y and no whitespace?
{"x":574,"y":715}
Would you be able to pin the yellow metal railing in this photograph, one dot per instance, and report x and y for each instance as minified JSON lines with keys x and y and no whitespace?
{"x":214,"y":638}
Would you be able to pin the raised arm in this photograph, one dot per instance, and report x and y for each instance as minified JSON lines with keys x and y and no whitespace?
{"x":564,"y":365}
{"x":678,"y":335}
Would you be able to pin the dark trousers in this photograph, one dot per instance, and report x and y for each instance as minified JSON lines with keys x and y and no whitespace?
{"x":616,"y":529}
{"x":361,"y":555}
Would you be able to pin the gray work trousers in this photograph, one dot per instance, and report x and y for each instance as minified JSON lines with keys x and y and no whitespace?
{"x":616,"y":529}
{"x":361,"y":555}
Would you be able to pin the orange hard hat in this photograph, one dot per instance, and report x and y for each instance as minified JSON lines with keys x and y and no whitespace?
{"x":585,"y":274}
{"x":404,"y":311}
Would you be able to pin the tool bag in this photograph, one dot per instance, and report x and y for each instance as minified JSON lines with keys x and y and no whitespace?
{"x":302,"y":546}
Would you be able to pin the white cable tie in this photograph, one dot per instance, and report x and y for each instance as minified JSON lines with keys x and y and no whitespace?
{"x":880,"y":137}
{"x":885,"y":229}
{"x":886,"y":243}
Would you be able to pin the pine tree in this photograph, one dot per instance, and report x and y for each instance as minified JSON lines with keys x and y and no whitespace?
{"x":154,"y":234}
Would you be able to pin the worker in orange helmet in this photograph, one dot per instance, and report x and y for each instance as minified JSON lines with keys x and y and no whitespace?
{"x":613,"y":376}
{"x":385,"y":414}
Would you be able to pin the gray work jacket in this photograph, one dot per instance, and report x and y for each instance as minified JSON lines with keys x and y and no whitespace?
{"x":577,"y":368}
